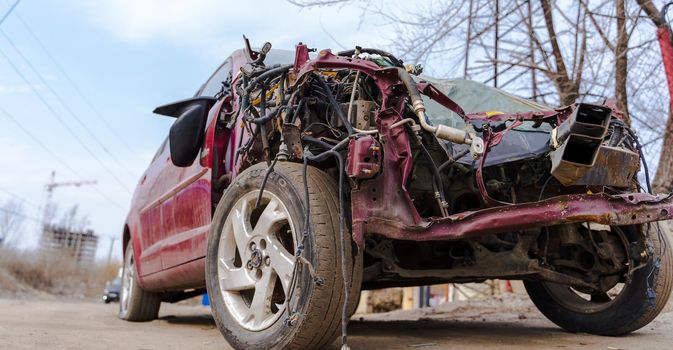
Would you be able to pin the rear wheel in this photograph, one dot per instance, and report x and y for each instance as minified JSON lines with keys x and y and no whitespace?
{"x":135,"y":304}
{"x":261,"y":295}
{"x":625,"y":308}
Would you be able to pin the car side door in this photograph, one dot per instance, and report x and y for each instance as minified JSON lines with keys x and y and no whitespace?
{"x":187,"y":208}
{"x":150,"y":226}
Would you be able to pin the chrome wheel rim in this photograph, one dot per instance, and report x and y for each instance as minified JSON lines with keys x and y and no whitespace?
{"x":255,"y":260}
{"x":127,"y":282}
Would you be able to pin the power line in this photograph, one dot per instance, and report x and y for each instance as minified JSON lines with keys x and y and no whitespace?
{"x":9,"y":11}
{"x":21,"y":199}
{"x":64,"y":104}
{"x":21,"y":215}
{"x":40,"y":221}
{"x":72,"y":83}
{"x":55,"y":156}
{"x":63,"y":123}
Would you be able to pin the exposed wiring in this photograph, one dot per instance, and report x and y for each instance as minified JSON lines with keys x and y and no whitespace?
{"x":642,"y":159}
{"x":353,"y":91}
{"x":342,"y":223}
{"x":268,"y":172}
{"x":337,"y":108}
{"x":437,"y":180}
{"x":546,"y":229}
{"x":455,"y":158}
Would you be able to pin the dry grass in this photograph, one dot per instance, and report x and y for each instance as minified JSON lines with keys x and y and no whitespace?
{"x":27,"y":271}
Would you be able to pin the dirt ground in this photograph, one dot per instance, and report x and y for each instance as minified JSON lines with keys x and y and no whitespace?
{"x":510,"y":323}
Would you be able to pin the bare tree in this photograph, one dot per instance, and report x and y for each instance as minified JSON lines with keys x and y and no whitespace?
{"x":551,"y":51}
{"x":487,"y":40}
{"x":11,"y":220}
{"x":73,"y":222}
{"x":663,"y":180}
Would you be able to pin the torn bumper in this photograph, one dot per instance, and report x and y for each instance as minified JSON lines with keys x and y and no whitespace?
{"x":616,"y":210}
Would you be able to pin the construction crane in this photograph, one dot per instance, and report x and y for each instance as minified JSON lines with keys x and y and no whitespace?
{"x":52,"y":184}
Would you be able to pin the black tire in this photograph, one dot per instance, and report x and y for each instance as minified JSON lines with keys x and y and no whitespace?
{"x":316,"y":307}
{"x":354,"y":255}
{"x":141,"y":306}
{"x":356,"y":283}
{"x":627,"y":312}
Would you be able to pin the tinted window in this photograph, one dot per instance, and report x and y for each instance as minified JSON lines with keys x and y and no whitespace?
{"x":214,"y":84}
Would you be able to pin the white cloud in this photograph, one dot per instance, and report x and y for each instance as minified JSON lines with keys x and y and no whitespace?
{"x":139,"y":21}
{"x":206,"y":24}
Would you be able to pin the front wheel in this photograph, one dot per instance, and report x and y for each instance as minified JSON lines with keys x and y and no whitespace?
{"x":262,"y":295}
{"x":622,"y":310}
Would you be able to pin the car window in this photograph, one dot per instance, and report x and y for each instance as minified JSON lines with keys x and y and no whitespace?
{"x":161,"y":149}
{"x":279,"y":57}
{"x":214,"y":84}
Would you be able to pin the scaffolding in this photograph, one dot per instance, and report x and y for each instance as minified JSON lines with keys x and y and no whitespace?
{"x":61,"y":241}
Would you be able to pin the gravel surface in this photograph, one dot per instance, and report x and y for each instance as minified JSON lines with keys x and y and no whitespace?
{"x":510,"y":323}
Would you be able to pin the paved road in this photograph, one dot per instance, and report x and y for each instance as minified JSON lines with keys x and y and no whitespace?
{"x":496,"y":324}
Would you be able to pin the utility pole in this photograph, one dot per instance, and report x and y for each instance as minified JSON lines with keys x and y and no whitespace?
{"x":109,"y":252}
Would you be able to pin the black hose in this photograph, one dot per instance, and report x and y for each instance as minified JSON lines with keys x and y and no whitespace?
{"x":437,"y":179}
{"x":315,"y":142}
{"x":268,"y":74}
{"x":265,"y":118}
{"x":410,"y":84}
{"x":335,"y":104}
{"x":616,"y":135}
{"x":295,"y":112}
{"x":281,"y":86}
{"x":269,"y":170}
{"x":244,"y":149}
{"x":394,"y":60}
{"x":259,"y":71}
{"x":289,"y":106}
{"x":462,"y":154}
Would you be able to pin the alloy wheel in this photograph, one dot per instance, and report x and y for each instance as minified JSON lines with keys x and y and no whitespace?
{"x":256,"y":260}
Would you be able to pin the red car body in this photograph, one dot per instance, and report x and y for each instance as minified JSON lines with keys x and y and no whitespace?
{"x":172,"y":206}
{"x":195,"y":224}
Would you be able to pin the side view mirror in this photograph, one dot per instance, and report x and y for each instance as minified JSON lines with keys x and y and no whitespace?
{"x":186,"y":134}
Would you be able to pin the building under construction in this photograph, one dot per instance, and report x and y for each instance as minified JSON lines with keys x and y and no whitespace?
{"x":61,"y":241}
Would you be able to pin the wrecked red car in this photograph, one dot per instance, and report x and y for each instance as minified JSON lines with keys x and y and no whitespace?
{"x":293,"y":180}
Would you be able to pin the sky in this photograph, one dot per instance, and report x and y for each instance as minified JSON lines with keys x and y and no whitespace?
{"x":79,"y":80}
{"x":102,"y":67}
